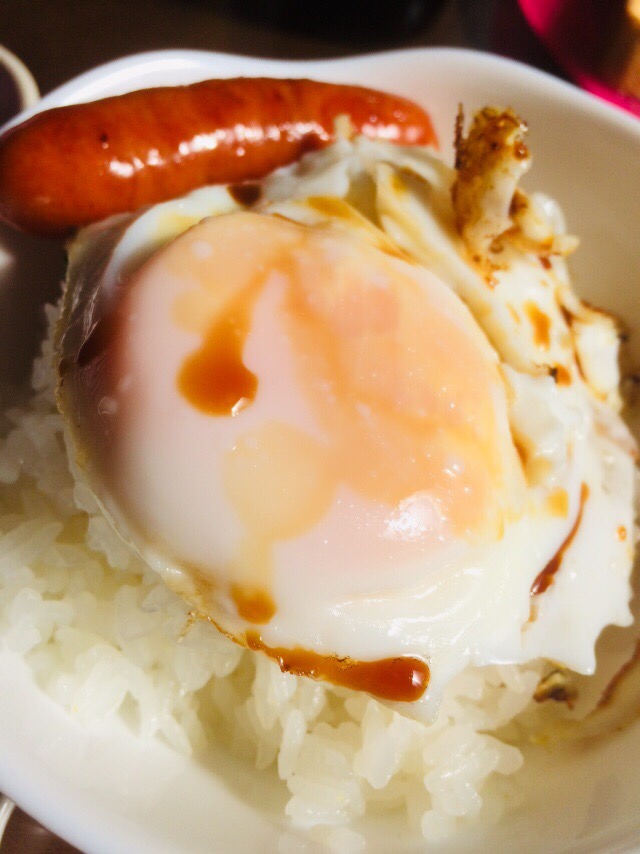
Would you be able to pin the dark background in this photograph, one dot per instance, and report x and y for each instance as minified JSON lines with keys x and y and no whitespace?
{"x":58,"y":39}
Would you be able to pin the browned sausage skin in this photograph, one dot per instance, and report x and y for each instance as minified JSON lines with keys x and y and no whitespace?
{"x":70,"y":166}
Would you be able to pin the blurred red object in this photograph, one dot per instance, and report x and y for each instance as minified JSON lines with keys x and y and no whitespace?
{"x":597,"y":43}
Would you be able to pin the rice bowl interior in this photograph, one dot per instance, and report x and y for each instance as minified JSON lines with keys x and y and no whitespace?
{"x":605,"y":233}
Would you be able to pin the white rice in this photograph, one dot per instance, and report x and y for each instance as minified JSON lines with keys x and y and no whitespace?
{"x":104,"y":636}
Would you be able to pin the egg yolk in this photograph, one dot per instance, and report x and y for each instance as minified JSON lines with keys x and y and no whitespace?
{"x":403,"y":406}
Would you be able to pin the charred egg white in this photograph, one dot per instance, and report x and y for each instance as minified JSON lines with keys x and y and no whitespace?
{"x":353,"y":431}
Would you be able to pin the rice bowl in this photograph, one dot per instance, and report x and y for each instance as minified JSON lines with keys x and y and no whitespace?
{"x":177,"y":730}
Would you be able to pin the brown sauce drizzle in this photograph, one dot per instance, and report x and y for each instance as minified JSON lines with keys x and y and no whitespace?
{"x":247,"y":194}
{"x":254,"y":606}
{"x":544,"y":579}
{"x":566,"y":314}
{"x":556,"y":686}
{"x":541,"y":323}
{"x":403,"y":679}
{"x":558,"y":503}
{"x":546,"y":263}
{"x":214,"y":379}
{"x":520,"y":150}
{"x":560,"y":374}
{"x":332,"y":207}
{"x":522,"y":451}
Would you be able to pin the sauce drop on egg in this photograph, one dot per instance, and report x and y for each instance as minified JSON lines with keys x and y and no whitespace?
{"x":254,"y":606}
{"x":214,"y":379}
{"x":544,"y":579}
{"x":541,"y":324}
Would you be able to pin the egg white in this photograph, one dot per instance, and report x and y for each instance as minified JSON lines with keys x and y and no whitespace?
{"x":473,"y":603}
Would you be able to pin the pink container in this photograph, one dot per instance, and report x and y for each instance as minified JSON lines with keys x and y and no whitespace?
{"x":579,"y":34}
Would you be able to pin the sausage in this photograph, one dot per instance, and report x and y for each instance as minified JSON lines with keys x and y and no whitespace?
{"x":70,"y":166}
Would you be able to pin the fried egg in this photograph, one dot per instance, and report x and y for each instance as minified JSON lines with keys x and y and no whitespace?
{"x":350,"y":438}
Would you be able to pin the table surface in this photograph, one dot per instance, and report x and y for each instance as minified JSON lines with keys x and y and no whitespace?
{"x":58,"y":39}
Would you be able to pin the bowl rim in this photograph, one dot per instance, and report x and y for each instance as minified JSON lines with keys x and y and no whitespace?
{"x":22,"y":77}
{"x":84,"y":823}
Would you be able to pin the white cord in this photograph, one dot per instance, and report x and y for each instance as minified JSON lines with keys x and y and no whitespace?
{"x":6,"y":808}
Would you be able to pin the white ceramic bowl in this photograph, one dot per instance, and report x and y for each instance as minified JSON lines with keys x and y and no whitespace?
{"x":104,"y":790}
